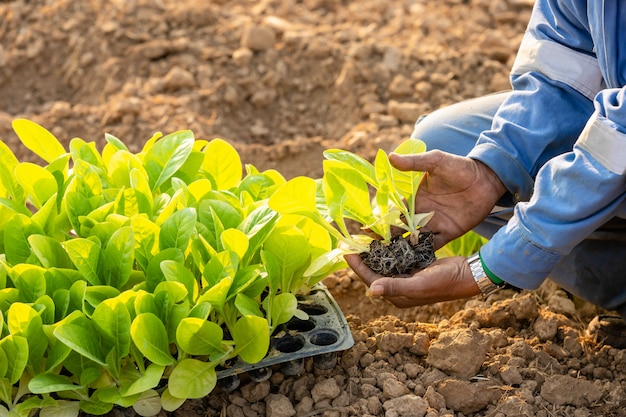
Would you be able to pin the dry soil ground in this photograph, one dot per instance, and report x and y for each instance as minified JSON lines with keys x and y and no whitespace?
{"x":282,"y":80}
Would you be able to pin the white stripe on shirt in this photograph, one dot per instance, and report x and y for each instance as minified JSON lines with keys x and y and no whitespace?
{"x":559,"y":63}
{"x":605,"y":145}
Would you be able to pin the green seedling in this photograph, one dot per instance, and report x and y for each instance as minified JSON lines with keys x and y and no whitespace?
{"x":129,"y":278}
{"x":345,"y":193}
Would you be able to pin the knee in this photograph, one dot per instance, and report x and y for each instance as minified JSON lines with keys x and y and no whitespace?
{"x":441,"y":130}
{"x":429,"y":130}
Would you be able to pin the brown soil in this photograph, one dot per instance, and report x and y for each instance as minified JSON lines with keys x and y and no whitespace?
{"x":282,"y":80}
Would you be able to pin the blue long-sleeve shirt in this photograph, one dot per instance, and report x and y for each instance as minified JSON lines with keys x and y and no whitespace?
{"x":558,"y":143}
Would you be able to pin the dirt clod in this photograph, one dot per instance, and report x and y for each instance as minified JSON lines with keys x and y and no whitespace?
{"x":401,"y":255}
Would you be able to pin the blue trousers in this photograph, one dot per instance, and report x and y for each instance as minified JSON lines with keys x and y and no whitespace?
{"x":595,"y":270}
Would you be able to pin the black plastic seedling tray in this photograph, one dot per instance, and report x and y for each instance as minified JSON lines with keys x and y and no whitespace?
{"x":325,"y":333}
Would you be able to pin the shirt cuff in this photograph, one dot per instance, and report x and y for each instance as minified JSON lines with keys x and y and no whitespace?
{"x":507,"y":168}
{"x":510,"y":256}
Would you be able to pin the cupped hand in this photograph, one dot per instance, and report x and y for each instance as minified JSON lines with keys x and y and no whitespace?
{"x":445,"y":279}
{"x":460,"y":190}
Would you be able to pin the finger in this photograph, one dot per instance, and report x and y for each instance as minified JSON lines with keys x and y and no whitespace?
{"x":385,"y":287}
{"x":361,"y":270}
{"x":425,"y":162}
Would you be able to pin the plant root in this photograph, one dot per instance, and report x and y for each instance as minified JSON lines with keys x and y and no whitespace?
{"x":400,"y":256}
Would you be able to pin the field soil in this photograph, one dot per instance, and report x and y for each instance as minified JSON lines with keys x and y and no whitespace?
{"x":282,"y":80}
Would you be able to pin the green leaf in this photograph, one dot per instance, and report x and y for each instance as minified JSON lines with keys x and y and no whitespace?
{"x":154,"y":273}
{"x":150,"y":379}
{"x":115,"y":142}
{"x":49,"y":251}
{"x":61,"y":278}
{"x":47,"y":220}
{"x":61,"y":409}
{"x":38,"y":183}
{"x":144,"y":302}
{"x":407,"y":182}
{"x":222,"y":164}
{"x":8,"y":296}
{"x":6,"y":395}
{"x":146,"y":234}
{"x":318,"y":236}
{"x":111,"y":395}
{"x":16,"y":351}
{"x":355,"y":161}
{"x":85,"y":254}
{"x":383,"y":193}
{"x":199,"y":188}
{"x":178,"y":229}
{"x":291,"y":249}
{"x":259,"y":186}
{"x":96,"y":408}
{"x":247,"y":306}
{"x":252,"y":338}
{"x":84,"y":151}
{"x":112,"y":319}
{"x":17,"y":248}
{"x":167,"y":155}
{"x":230,"y":216}
{"x":188,"y":172}
{"x":119,"y":256}
{"x":38,"y":139}
{"x":129,"y":203}
{"x":284,"y":307}
{"x":120,"y":166}
{"x":3,"y":357}
{"x":296,"y":196}
{"x":244,"y":278}
{"x":271,"y":263}
{"x":23,"y":320}
{"x":82,"y":337}
{"x":324,"y":265}
{"x":30,"y":281}
{"x":56,"y":354}
{"x":221,"y":265}
{"x":8,"y":183}
{"x":192,"y":378}
{"x":169,"y":402}
{"x":257,"y":226}
{"x":235,"y":241}
{"x":216,"y":295}
{"x":47,"y":383}
{"x":345,"y":184}
{"x":150,"y":337}
{"x":199,"y":337}
{"x":177,"y":272}
{"x":174,"y":292}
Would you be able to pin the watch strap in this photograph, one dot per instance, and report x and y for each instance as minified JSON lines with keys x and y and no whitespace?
{"x":485,"y":284}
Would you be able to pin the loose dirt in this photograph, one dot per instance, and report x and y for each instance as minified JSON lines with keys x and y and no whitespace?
{"x":282,"y":80}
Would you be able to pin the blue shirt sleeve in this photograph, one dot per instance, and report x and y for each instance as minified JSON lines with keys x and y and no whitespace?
{"x":558,"y":144}
{"x":575,"y":193}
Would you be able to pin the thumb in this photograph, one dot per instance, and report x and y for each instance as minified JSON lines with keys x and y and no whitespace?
{"x":383,"y":287}
{"x":426,"y":161}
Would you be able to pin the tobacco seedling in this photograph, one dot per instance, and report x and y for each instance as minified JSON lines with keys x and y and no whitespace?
{"x":345,"y":193}
{"x":129,"y":278}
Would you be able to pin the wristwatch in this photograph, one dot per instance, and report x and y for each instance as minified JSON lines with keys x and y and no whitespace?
{"x":486,"y":285}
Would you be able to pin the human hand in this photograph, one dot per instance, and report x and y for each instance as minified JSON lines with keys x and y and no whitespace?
{"x":445,"y":279}
{"x":461,"y":191}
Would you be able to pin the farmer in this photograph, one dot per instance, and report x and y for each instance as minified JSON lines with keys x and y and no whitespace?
{"x":540,"y":170}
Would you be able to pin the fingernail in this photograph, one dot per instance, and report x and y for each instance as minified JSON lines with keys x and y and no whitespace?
{"x":374,"y":291}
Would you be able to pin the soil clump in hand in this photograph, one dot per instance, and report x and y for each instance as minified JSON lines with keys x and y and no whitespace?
{"x":401,"y":255}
